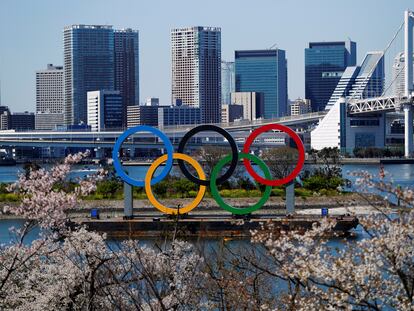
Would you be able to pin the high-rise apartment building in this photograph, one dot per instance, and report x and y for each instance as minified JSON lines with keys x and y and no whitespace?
{"x":5,"y":121}
{"x":196,"y":70}
{"x":126,"y":47}
{"x":49,"y":97}
{"x":104,"y":110}
{"x":228,"y":81}
{"x":88,"y":66}
{"x":4,"y":118}
{"x":300,"y":106}
{"x":325,"y":62}
{"x":264,"y":71}
{"x":49,"y":89}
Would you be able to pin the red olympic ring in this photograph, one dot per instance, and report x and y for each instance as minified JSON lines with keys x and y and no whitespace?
{"x":299,"y":145}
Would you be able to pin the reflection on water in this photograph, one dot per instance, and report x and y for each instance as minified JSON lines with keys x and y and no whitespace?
{"x":399,"y":174}
{"x":7,"y":236}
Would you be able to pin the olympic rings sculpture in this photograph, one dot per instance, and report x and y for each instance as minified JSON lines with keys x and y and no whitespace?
{"x":201,"y":180}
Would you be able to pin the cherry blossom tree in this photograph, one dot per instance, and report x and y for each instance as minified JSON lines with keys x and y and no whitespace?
{"x":42,"y":201}
{"x":71,"y":268}
{"x":375,"y":272}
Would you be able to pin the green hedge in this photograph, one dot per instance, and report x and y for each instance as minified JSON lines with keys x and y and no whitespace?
{"x":175,"y":187}
{"x":240,"y":193}
{"x":319,"y":182}
{"x":9,"y":197}
{"x":277,"y":192}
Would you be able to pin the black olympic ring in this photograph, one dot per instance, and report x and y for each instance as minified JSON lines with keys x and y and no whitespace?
{"x":225,"y":134}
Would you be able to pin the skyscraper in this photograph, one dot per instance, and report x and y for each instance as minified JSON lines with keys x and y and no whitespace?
{"x":127,"y":67}
{"x":49,"y":89}
{"x":228,"y":81}
{"x":196,"y":70}
{"x":325,"y":63}
{"x":264,"y":71}
{"x":88,"y":66}
{"x":49,"y":97}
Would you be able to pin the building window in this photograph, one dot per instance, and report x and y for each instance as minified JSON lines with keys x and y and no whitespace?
{"x":364,"y":122}
{"x":364,"y":140}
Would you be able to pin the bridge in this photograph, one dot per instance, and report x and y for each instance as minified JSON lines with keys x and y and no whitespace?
{"x":106,"y":139}
{"x":379,"y":104}
{"x":359,"y":103}
{"x":395,"y":103}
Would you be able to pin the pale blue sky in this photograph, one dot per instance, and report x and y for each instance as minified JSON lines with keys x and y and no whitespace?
{"x":31,"y":33}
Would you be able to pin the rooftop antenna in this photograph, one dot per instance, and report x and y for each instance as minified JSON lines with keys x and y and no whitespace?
{"x":273,"y":46}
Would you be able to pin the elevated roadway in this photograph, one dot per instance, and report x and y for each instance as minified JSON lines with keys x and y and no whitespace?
{"x":106,"y":139}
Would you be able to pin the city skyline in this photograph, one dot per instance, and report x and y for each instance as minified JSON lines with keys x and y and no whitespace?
{"x":43,"y":37}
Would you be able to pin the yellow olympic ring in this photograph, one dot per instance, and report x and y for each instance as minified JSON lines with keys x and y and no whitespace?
{"x":158,"y":205}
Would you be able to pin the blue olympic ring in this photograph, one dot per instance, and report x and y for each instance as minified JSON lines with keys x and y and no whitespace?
{"x":142,"y":128}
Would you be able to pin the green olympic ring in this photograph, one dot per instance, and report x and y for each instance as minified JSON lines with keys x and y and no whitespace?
{"x":215,"y":192}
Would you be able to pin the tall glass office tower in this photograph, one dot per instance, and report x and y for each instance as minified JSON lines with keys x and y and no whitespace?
{"x":264,"y":71}
{"x":127,"y":67}
{"x":196,"y":70}
{"x":228,"y":82}
{"x":325,"y":62}
{"x":88,"y":66}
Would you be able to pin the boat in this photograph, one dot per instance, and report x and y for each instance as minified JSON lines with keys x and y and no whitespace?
{"x":5,"y":159}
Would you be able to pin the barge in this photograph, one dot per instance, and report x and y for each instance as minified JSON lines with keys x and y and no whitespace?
{"x":208,"y":225}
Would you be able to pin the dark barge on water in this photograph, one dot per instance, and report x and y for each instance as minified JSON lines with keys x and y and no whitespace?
{"x":209,"y":225}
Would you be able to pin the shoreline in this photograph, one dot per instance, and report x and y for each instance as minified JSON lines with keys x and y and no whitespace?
{"x":393,"y":160}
